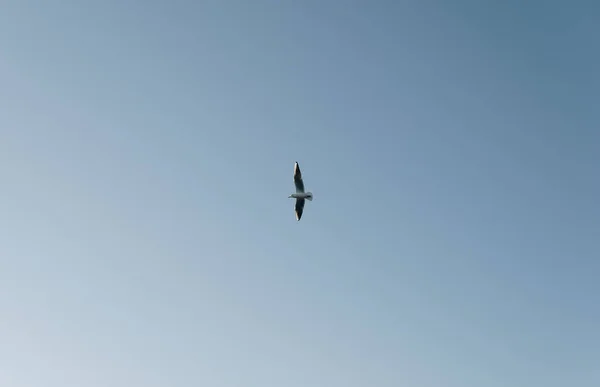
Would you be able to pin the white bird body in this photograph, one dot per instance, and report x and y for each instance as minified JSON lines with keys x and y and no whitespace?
{"x":300,"y":195}
{"x":307,"y":196}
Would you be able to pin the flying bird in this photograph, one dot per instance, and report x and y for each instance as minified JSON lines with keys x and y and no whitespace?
{"x":300,"y":195}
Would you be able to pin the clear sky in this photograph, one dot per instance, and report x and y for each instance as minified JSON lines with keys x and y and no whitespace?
{"x":146,"y":158}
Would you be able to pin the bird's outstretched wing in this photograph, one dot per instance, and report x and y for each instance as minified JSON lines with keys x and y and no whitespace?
{"x":299,"y":208}
{"x":298,"y":179}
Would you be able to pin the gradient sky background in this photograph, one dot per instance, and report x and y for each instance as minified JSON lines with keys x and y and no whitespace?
{"x":146,"y":156}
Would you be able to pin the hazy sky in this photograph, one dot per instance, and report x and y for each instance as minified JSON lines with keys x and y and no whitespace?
{"x":146,"y":158}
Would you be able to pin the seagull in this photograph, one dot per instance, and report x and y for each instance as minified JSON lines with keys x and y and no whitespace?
{"x":300,"y":195}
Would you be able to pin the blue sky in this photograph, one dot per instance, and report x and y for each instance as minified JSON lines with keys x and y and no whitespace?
{"x":147,"y":152}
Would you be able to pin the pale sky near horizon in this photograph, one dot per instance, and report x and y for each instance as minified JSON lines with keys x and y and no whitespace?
{"x":146,"y":158}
